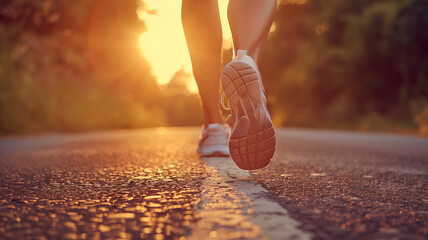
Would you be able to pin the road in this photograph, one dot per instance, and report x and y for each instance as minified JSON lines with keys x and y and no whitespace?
{"x":150,"y":184}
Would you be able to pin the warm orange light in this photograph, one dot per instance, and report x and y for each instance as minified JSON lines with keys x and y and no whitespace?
{"x":164,"y":45}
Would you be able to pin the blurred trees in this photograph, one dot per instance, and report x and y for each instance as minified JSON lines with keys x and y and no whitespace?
{"x":74,"y":66}
{"x":340,"y":63}
{"x":350,"y":64}
{"x":182,"y":108}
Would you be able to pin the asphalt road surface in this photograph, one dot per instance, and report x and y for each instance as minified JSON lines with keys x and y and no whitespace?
{"x":150,"y":184}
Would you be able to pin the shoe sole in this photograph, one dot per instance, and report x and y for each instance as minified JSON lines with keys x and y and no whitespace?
{"x":214,"y":151}
{"x":252,"y":141}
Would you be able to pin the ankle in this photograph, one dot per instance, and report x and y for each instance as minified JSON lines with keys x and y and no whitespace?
{"x":213,"y":119}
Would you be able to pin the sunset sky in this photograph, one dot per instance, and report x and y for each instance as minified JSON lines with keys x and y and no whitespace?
{"x":164,"y":45}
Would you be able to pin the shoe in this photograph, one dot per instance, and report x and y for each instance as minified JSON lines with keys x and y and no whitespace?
{"x":214,"y":141}
{"x":252,"y":140}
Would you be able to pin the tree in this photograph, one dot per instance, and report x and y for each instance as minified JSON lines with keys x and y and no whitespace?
{"x":73,"y":66}
{"x":347,"y":63}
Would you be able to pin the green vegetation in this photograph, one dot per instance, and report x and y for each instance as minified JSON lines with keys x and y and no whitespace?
{"x":334,"y":64}
{"x":349,"y":64}
{"x":74,"y":67}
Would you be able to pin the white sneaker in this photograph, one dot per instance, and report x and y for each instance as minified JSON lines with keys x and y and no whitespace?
{"x":252,"y":141}
{"x":214,"y":141}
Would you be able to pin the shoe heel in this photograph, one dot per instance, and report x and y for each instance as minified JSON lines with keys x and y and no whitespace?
{"x":252,"y":142}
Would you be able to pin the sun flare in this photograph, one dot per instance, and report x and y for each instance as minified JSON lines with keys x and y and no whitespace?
{"x":164,"y":44}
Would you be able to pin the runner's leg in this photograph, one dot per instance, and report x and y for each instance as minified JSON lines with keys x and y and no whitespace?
{"x":202,"y":28}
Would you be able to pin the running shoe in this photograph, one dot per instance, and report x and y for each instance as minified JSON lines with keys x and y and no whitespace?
{"x":252,"y":140}
{"x":214,"y":141}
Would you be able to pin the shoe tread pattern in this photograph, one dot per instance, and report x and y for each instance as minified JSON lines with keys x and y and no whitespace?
{"x":252,"y":142}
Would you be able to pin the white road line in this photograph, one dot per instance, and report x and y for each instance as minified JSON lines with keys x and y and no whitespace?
{"x":234,"y":206}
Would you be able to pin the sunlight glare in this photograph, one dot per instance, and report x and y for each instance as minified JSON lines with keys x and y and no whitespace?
{"x":164,"y":44}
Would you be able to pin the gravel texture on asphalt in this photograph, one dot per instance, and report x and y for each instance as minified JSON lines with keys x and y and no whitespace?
{"x":352,"y":186}
{"x":148,"y":183}
{"x":130,"y":186}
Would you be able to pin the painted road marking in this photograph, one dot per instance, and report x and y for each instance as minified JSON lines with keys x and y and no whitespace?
{"x":234,"y":206}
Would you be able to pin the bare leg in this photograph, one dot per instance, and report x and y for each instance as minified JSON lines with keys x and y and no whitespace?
{"x":250,"y":22}
{"x":202,"y":28}
{"x":252,"y":140}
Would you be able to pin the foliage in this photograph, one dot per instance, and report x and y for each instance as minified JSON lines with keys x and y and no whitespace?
{"x":341,"y":63}
{"x":67,"y":67}
{"x":338,"y":63}
{"x":182,"y":107}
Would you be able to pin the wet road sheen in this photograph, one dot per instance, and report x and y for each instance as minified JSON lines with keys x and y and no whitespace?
{"x":119,"y":186}
{"x":149,"y":184}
